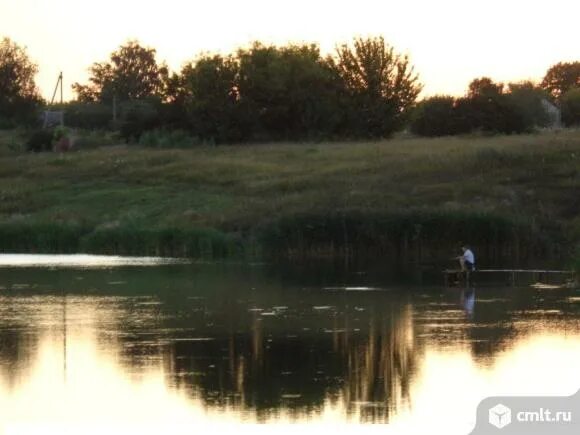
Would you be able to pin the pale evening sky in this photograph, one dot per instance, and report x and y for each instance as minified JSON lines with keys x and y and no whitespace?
{"x":450,"y":42}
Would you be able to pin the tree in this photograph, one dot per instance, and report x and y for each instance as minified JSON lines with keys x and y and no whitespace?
{"x":131,"y":74}
{"x":208,"y":91}
{"x":381,"y":86}
{"x":19,"y":98}
{"x":489,"y":109}
{"x":484,"y":87}
{"x":287,"y":92}
{"x":570,"y":103}
{"x":139,"y":116}
{"x":529,"y":98}
{"x":560,"y":78}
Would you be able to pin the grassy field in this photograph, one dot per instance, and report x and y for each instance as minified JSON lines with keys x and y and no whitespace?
{"x":218,"y":200}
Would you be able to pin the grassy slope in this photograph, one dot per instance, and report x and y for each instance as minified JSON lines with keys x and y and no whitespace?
{"x":235,"y":188}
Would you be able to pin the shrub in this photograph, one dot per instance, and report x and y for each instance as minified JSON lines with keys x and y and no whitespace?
{"x":434,"y":117}
{"x":88,"y":115}
{"x":7,"y":123}
{"x":137,"y":117}
{"x":490,"y":114}
{"x":570,"y":105}
{"x":40,"y":140}
{"x":529,"y":101}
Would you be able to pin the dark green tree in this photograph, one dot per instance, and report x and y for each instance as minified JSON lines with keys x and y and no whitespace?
{"x":489,"y":109}
{"x":288,"y":92}
{"x":311,"y":93}
{"x":19,"y":98}
{"x":560,"y":78}
{"x":138,"y":116}
{"x":132,"y":73}
{"x":528,"y":98}
{"x":484,"y":87}
{"x":207,"y":90}
{"x":380,"y":84}
{"x":570,"y":104}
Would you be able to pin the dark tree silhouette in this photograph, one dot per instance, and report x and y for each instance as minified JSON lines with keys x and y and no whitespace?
{"x":287,"y":91}
{"x":131,"y":74}
{"x":19,"y":96}
{"x":380,"y":84}
{"x":484,"y":87}
{"x":529,"y":97}
{"x":570,"y":103}
{"x":560,"y":78}
{"x":208,"y":92}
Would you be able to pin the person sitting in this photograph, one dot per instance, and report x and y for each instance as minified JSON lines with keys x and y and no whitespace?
{"x":467,"y":260}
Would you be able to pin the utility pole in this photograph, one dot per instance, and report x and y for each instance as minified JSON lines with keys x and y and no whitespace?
{"x":50,"y":116}
{"x":58,"y":83}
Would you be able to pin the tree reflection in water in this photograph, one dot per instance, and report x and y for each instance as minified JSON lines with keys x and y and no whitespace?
{"x":237,"y":340}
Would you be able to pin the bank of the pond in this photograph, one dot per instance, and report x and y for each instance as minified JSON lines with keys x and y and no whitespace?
{"x":510,"y":196}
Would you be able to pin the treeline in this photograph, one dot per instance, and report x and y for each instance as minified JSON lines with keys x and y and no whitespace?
{"x":487,"y":107}
{"x":495,"y":108}
{"x":290,"y":93}
{"x":262,"y":93}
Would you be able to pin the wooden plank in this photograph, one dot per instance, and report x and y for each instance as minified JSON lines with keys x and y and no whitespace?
{"x":512,"y":274}
{"x":511,"y":271}
{"x":525,"y":270}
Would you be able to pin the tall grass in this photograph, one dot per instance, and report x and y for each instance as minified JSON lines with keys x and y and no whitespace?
{"x":168,"y":242}
{"x":120,"y":240}
{"x":168,"y":139}
{"x":413,"y":235}
{"x":40,"y":237}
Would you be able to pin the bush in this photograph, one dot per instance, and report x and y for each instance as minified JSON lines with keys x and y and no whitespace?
{"x":137,"y":117}
{"x":88,"y":115}
{"x":435,"y":117}
{"x":40,"y":140}
{"x":497,"y":114}
{"x":529,"y":101}
{"x":570,"y":105}
{"x":7,"y":123}
{"x":491,"y":112}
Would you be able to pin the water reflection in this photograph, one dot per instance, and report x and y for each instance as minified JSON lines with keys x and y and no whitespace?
{"x":192,"y":343}
{"x":468,"y":301}
{"x":82,"y":261}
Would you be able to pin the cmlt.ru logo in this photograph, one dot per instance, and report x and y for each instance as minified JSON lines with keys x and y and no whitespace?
{"x":500,"y":416}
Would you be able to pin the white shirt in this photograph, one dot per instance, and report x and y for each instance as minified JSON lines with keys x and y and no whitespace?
{"x":468,"y":256}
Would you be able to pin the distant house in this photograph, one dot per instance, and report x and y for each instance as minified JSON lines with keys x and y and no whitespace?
{"x":554,"y":114}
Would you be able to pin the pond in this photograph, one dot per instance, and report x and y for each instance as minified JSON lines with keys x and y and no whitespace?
{"x":133,"y":344}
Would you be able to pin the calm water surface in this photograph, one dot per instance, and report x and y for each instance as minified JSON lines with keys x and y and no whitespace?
{"x":206,"y":344}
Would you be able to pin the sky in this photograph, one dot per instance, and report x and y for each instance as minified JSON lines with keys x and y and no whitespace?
{"x":449,"y":42}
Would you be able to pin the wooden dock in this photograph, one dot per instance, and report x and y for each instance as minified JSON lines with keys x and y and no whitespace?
{"x":535,"y":275}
